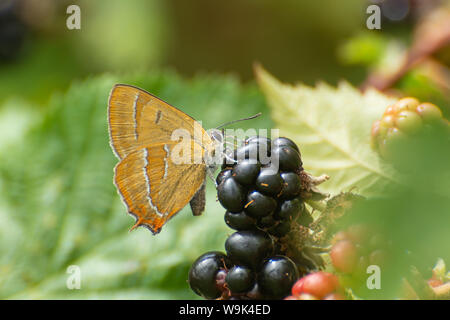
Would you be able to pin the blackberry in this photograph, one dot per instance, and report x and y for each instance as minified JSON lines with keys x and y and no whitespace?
{"x":249,"y":247}
{"x":239,"y":221}
{"x":240,"y":279}
{"x":255,"y":148}
{"x":204,"y":273}
{"x":247,"y":152}
{"x":281,"y":229}
{"x":269,"y":182}
{"x":246,"y":171}
{"x":259,"y":205}
{"x":288,"y":158}
{"x":265,"y":205}
{"x":276,"y":277}
{"x":259,"y":140}
{"x":285,"y":142}
{"x":290,"y":209}
{"x":223,"y":175}
{"x":231,"y":195}
{"x":291,"y":185}
{"x":266,"y":222}
{"x":255,"y":293}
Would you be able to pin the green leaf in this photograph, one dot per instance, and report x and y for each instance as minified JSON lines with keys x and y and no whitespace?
{"x":59,"y":207}
{"x":332,"y":127}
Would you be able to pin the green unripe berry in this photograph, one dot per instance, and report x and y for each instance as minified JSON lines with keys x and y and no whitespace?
{"x":429,"y":112}
{"x":389,"y":145}
{"x":395,"y":135}
{"x":408,"y":121}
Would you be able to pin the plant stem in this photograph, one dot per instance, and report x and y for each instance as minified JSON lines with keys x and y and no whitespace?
{"x":317,"y":205}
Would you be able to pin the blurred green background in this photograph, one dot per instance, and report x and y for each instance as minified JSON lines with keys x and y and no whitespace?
{"x":58,"y":206}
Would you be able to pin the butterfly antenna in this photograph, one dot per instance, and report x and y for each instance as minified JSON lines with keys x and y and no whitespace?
{"x":238,"y":120}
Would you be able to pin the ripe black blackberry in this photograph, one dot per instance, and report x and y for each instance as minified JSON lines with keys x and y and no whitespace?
{"x":260,"y":186}
{"x":206,"y":274}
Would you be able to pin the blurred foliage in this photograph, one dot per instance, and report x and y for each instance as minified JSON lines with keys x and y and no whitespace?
{"x":408,"y":200}
{"x":59,"y":207}
{"x":365,"y":48}
{"x":383,"y":55}
{"x":191,"y":37}
{"x":121,"y":36}
{"x":297,"y":38}
{"x":46,"y":68}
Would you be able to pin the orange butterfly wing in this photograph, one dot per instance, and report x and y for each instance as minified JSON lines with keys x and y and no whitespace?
{"x":137,"y":119}
{"x":153,"y":187}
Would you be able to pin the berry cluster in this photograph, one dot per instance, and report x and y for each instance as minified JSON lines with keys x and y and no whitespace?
{"x":259,"y":196}
{"x":356,"y":248}
{"x":317,"y":286}
{"x":263,"y":203}
{"x":402,"y":122}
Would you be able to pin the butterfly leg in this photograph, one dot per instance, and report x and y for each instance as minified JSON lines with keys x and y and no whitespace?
{"x":210,"y":172}
{"x":229,"y":158}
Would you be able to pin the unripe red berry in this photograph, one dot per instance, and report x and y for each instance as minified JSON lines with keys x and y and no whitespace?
{"x":344,"y":256}
{"x":320,"y":284}
{"x":307,"y":296}
{"x":335,"y":296}
{"x":297,"y":288}
{"x":435,"y":283}
{"x":404,"y":123}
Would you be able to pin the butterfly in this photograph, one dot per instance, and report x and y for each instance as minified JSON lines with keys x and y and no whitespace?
{"x":146,"y":135}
